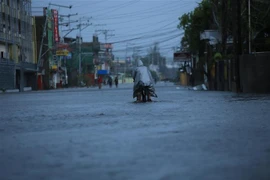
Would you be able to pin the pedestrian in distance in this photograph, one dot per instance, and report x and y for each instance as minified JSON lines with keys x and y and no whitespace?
{"x":155,"y":79}
{"x":99,"y":82}
{"x":110,"y":81}
{"x":116,"y":81}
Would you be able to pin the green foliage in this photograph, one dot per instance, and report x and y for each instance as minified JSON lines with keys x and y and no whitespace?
{"x":3,"y":89}
{"x":217,"y":56}
{"x":193,"y":23}
{"x":208,"y":15}
{"x":154,"y":74}
{"x":260,"y":15}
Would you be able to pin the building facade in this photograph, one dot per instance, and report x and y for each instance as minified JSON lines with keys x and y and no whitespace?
{"x":17,"y":56}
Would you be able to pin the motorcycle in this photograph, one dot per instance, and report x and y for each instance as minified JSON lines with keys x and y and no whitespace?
{"x":144,"y":90}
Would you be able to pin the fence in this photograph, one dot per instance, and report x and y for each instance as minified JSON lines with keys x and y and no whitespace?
{"x":255,"y":73}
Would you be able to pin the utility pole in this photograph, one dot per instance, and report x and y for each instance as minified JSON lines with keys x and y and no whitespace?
{"x":125,"y":60}
{"x":68,"y":23}
{"x":68,"y":16}
{"x":80,"y":47}
{"x":224,"y":33}
{"x":126,"y":54}
{"x":80,"y":39}
{"x":224,"y":15}
{"x":249,"y":29}
{"x":22,"y":59}
{"x":237,"y":40}
{"x":47,"y":18}
{"x":239,"y":47}
{"x":45,"y":27}
{"x":105,"y":32}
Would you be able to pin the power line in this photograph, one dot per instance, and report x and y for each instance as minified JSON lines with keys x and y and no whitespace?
{"x":143,"y":37}
{"x":159,"y":40}
{"x":115,"y":7}
{"x":83,"y":4}
{"x":143,"y":12}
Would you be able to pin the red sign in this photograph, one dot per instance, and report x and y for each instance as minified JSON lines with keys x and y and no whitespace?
{"x":108,"y":45}
{"x":56,"y":27}
{"x":62,"y":46}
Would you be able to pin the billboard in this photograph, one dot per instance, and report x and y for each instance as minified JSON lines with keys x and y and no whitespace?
{"x":62,"y":53}
{"x":104,"y":46}
{"x":181,"y":56}
{"x":55,"y":25}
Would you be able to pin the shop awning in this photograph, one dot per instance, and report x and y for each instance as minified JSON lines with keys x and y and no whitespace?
{"x":102,"y":72}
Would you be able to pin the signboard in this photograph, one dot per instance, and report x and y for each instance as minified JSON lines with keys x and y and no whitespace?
{"x":61,"y":46}
{"x":69,"y":56}
{"x":54,"y":67}
{"x":128,"y":60}
{"x":102,"y":72}
{"x":56,"y":27}
{"x":62,"y":53}
{"x":54,"y":58}
{"x":181,"y":56}
{"x":108,"y":45}
{"x":104,"y":46}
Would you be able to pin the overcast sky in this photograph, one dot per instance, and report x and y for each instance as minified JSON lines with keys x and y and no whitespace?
{"x":129,"y":23}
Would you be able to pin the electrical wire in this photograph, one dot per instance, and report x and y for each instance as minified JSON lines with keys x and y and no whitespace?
{"x":158,"y":40}
{"x":160,"y":34}
{"x":144,"y":12}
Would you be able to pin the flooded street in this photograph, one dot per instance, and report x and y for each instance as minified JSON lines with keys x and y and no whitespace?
{"x":87,"y":133}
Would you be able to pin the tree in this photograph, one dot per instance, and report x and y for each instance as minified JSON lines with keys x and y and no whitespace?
{"x":260,"y":24}
{"x":193,"y":23}
{"x":231,"y":18}
{"x":217,"y":14}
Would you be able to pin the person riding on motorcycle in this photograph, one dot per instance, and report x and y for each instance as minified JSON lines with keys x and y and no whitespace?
{"x":143,"y":78}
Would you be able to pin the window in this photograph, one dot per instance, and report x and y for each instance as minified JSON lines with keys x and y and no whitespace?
{"x":2,"y":55}
{"x":18,"y":4}
{"x":19,"y":26}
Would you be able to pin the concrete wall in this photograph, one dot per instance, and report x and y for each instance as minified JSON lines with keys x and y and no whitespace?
{"x":7,"y":76}
{"x":2,"y":50}
{"x":255,"y":73}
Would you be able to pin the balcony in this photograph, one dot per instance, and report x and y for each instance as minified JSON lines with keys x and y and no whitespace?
{"x":6,"y":9}
{"x":8,"y":37}
{"x":30,"y":66}
{"x":2,"y":36}
{"x":6,"y":61}
{"x":2,"y":7}
{"x":18,"y":14}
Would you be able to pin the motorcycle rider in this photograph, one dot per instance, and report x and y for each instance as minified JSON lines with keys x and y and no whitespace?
{"x":142,"y":77}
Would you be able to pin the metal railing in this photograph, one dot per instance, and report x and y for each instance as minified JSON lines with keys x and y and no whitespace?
{"x":6,"y":61}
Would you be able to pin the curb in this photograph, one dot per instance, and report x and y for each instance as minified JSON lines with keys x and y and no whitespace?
{"x":25,"y":89}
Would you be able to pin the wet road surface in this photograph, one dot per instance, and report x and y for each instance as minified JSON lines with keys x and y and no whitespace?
{"x":86,"y":133}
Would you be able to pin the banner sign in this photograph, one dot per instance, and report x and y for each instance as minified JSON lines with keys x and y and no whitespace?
{"x":56,"y":25}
